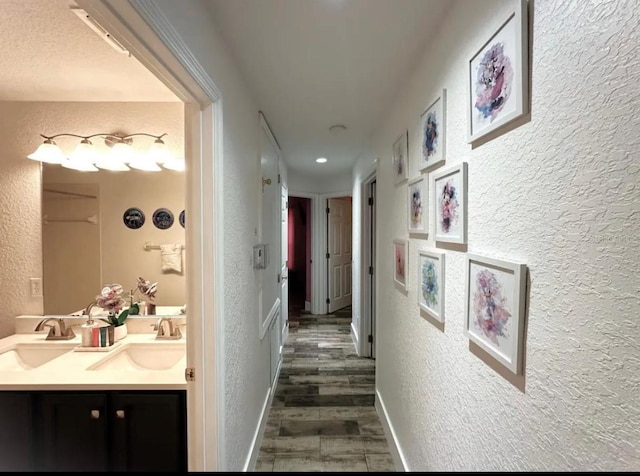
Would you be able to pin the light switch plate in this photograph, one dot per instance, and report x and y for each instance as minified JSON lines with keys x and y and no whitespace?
{"x":36,"y":287}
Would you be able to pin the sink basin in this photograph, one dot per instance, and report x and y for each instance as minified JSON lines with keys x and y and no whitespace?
{"x":136,"y":357}
{"x":31,"y":356}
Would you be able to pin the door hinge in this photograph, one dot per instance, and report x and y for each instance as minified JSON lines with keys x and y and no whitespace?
{"x":279,"y":277}
{"x":328,"y":210}
{"x":370,"y":338}
{"x":190,"y":374}
{"x":370,"y":269}
{"x":328,"y":300}
{"x":328,"y":256}
{"x":278,"y":178}
{"x":370,"y":201}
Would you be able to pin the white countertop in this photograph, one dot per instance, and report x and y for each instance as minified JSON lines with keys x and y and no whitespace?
{"x":70,"y":371}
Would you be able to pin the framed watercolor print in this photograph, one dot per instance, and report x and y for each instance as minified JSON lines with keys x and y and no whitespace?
{"x":498,"y":75}
{"x":495,"y":308}
{"x":400,"y":158}
{"x":417,"y":206}
{"x":449,"y":199}
{"x":400,"y":254}
{"x":431,"y":283}
{"x":432,"y":132}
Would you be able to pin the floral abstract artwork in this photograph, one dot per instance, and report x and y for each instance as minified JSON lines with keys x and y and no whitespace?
{"x":432,"y":129}
{"x":495,"y":307}
{"x":449,"y":201}
{"x":400,"y":158}
{"x":417,"y":202}
{"x":400,"y":253}
{"x":498,"y":75}
{"x":431,"y":279}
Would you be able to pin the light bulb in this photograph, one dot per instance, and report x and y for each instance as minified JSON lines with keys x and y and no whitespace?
{"x":48,"y":152}
{"x":174,"y":164}
{"x":159,"y":152}
{"x":82,"y":158}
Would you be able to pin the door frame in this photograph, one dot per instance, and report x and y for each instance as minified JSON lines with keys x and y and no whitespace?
{"x":368,"y":286}
{"x":144,"y":30}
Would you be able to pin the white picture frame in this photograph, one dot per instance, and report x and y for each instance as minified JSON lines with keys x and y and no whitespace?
{"x":449,"y":203}
{"x":433,"y":126}
{"x":431,"y":283}
{"x":495,"y":306}
{"x":418,"y":205}
{"x":400,"y":262}
{"x":499,"y":95}
{"x":400,"y":158}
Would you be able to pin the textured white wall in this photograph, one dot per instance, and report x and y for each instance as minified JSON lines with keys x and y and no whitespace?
{"x":246,"y":356}
{"x":20,"y":232}
{"x":558,"y":193}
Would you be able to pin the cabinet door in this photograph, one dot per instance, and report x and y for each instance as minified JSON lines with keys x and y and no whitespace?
{"x":16,"y":432}
{"x":149,"y":431}
{"x":74,"y":432}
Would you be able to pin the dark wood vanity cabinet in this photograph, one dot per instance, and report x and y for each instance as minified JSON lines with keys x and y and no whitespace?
{"x":17,"y":445}
{"x":148,"y":432}
{"x":93,"y":431}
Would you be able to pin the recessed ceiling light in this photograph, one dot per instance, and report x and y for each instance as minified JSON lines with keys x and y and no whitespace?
{"x":321,"y":160}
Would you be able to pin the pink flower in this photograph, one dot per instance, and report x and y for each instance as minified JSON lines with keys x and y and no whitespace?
{"x":110,"y":298}
{"x":147,"y":288}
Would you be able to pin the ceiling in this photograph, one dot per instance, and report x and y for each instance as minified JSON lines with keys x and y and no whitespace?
{"x":315,"y":63}
{"x":49,"y":54}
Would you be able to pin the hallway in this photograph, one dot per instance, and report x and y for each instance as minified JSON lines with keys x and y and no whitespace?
{"x":322,"y":417}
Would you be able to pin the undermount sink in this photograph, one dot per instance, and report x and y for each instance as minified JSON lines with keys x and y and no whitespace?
{"x":143,"y":357}
{"x":30,"y":356}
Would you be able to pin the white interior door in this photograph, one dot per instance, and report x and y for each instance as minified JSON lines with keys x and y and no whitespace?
{"x":339,"y":253}
{"x":269,"y":231}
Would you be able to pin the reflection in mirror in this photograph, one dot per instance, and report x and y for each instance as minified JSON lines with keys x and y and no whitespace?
{"x":87,"y":245}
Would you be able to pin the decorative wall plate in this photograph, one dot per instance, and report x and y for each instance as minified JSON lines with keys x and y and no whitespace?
{"x":133,"y":218}
{"x":162,"y":218}
{"x":181,"y":218}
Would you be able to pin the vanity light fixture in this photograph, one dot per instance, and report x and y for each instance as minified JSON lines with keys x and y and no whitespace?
{"x":121,"y":157}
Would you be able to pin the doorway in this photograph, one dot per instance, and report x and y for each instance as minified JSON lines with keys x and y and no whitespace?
{"x":299,"y":254}
{"x":367,"y":344}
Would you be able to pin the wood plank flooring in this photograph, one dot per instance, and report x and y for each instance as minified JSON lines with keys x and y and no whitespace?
{"x":322,"y":417}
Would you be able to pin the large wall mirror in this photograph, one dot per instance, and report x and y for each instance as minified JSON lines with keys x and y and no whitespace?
{"x":86,"y":243}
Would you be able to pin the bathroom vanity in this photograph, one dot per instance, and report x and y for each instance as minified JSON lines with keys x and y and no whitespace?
{"x":67,"y":410}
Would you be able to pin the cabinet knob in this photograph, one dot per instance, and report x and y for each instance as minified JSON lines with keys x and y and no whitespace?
{"x":95,"y":414}
{"x":120,"y":414}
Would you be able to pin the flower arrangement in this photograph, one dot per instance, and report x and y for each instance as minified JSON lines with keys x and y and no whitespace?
{"x":147,"y":288}
{"x":111,"y":300}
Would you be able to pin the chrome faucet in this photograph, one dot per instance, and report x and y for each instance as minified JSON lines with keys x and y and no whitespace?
{"x":57,"y":329}
{"x":87,"y":311}
{"x":174,"y":332}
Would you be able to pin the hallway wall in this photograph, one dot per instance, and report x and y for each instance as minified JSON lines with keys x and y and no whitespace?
{"x":558,"y":193}
{"x":316,"y":184}
{"x":247,"y":358}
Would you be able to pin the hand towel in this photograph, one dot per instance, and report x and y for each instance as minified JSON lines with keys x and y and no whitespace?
{"x":171,"y":255}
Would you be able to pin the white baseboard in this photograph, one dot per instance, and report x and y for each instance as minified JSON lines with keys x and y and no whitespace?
{"x":396,"y":451}
{"x":252,"y":457}
{"x":354,"y":338}
{"x":307,"y":306}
